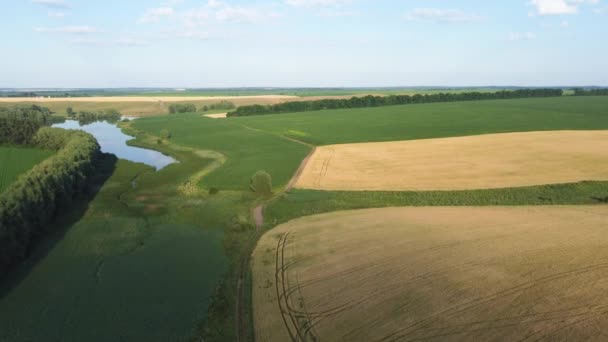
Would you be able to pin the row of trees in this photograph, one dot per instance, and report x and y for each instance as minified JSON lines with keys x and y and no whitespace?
{"x":84,"y":117}
{"x":30,"y":204}
{"x":378,"y":101}
{"x":178,"y":108}
{"x":222,"y":105}
{"x":591,"y":92}
{"x":19,"y":124}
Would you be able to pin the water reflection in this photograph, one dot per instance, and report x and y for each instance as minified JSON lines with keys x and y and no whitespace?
{"x":112,"y":140}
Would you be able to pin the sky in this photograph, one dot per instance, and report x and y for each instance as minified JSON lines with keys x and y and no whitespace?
{"x":302,"y":43}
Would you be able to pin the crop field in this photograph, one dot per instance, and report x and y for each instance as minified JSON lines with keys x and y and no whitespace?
{"x":461,"y":163}
{"x":247,"y":150}
{"x":440,"y":274}
{"x":437,"y":120}
{"x":140,"y":105}
{"x":15,"y":161}
{"x":111,"y":270}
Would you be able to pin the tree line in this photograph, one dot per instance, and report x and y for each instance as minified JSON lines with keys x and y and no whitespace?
{"x":178,"y":108}
{"x":19,"y":124}
{"x":591,"y":92}
{"x":85,"y":117}
{"x":30,"y":204}
{"x":378,"y":101}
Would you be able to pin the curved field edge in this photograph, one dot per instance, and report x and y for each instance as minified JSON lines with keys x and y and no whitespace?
{"x":449,"y":273}
{"x":298,"y":202}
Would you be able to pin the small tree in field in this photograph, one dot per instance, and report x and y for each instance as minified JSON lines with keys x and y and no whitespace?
{"x":165,"y":134}
{"x":261,"y":183}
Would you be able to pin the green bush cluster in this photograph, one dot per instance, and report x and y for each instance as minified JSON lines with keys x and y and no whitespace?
{"x":591,"y":92}
{"x":84,"y":117}
{"x":261,"y":183}
{"x":31,"y":203}
{"x":222,"y":105}
{"x":19,"y":124}
{"x":178,"y":108}
{"x":392,"y":100}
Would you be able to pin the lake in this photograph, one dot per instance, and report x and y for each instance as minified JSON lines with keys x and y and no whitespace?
{"x":113,"y":140}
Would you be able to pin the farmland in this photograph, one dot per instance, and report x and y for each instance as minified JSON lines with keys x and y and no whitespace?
{"x":438,"y":120}
{"x":247,"y":150}
{"x":461,"y":163}
{"x":443,"y":273}
{"x":138,"y":216}
{"x":111,"y":268}
{"x":15,"y":161}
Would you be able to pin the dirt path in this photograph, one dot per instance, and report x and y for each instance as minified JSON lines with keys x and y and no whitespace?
{"x":241,"y":319}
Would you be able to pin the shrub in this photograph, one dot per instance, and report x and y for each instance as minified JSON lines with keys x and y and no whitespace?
{"x":213,"y":191}
{"x":261,"y":183}
{"x":178,"y":108}
{"x":165,"y":134}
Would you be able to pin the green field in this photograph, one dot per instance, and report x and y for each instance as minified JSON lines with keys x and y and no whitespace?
{"x":139,"y":262}
{"x":155,"y":257}
{"x":247,"y":150}
{"x":16,"y":160}
{"x":436,"y":120}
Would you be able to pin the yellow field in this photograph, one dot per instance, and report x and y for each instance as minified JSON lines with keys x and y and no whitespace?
{"x":140,"y":105}
{"x":474,"y":162}
{"x":435,"y":274}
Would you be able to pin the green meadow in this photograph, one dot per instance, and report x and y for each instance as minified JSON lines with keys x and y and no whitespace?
{"x":17,"y":160}
{"x":436,"y":120}
{"x":246,"y":150}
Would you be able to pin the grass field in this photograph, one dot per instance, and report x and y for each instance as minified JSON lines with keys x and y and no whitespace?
{"x":246,"y":150}
{"x":16,"y":160}
{"x":140,"y":262}
{"x":460,"y":163}
{"x":436,"y":120}
{"x":441,"y":274}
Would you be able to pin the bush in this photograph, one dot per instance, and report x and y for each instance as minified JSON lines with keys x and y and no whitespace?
{"x":31,"y":203}
{"x":222,"y":105}
{"x":178,"y":108}
{"x":214,"y":191}
{"x":261,"y":183}
{"x":165,"y":134}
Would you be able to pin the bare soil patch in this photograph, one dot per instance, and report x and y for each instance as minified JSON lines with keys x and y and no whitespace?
{"x":461,"y":163}
{"x":440,"y":274}
{"x":217,"y":115}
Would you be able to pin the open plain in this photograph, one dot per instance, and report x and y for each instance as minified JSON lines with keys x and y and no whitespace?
{"x":436,"y":274}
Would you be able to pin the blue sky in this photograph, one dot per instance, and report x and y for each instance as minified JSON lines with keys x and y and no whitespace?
{"x":297,"y":43}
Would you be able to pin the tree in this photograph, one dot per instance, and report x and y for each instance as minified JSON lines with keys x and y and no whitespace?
{"x":70,"y":111}
{"x":165,"y":134}
{"x":261,"y":183}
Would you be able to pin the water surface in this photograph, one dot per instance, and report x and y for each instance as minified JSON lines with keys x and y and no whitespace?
{"x":113,"y":140}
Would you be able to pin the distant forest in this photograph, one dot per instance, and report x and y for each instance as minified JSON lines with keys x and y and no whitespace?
{"x":379,"y":101}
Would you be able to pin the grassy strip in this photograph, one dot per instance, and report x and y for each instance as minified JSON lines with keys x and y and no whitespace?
{"x":299,"y":203}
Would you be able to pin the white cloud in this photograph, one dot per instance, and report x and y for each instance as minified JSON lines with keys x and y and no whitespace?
{"x":521,"y":36}
{"x":153,"y":15}
{"x":75,"y":30}
{"x":239,"y":14}
{"x":316,"y":3}
{"x":557,"y":7}
{"x":56,"y":14}
{"x":333,"y":13}
{"x":51,"y":3}
{"x":131,"y":42}
{"x":603,"y":10}
{"x":441,"y":15}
